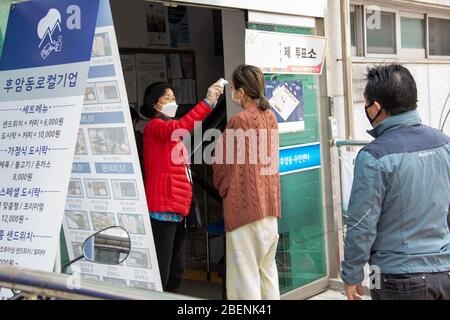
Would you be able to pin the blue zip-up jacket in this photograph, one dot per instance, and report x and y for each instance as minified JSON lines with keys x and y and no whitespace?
{"x":400,"y":201}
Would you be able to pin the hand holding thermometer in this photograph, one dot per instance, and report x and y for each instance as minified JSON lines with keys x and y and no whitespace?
{"x":215,"y":91}
{"x":222,"y":82}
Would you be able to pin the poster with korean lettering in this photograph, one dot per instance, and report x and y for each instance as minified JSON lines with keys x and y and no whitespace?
{"x":43,"y":72}
{"x":106,"y":187}
{"x":286,"y":99}
{"x":276,"y":52}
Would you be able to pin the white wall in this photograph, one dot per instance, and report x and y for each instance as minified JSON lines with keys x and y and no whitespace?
{"x":333,"y":63}
{"x":433,"y":87}
{"x":234,"y":49}
{"x":439,"y":89}
{"x":433,"y":80}
{"x":131,"y":29}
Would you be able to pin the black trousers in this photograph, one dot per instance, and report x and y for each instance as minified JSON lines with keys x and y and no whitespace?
{"x":170,"y":239}
{"x":413,"y":286}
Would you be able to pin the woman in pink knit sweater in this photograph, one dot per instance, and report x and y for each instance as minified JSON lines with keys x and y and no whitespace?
{"x":247,"y":177}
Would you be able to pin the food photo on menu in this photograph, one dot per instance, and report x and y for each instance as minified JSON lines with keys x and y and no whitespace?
{"x":77,"y":220}
{"x":97,"y":188}
{"x":125,"y":189}
{"x":90,"y":96}
{"x":109,"y":141}
{"x":81,"y":148}
{"x":138,"y":259}
{"x":133,"y":223}
{"x":101,"y":220}
{"x":75,"y":189}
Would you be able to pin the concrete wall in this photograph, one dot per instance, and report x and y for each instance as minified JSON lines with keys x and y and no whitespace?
{"x":234,"y":49}
{"x":433,"y":86}
{"x":432,"y":77}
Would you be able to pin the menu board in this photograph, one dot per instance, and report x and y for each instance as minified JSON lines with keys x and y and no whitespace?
{"x":106,"y":186}
{"x":42,"y":80}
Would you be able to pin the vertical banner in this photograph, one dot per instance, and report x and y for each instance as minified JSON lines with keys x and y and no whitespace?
{"x":43,"y":72}
{"x":106,"y":187}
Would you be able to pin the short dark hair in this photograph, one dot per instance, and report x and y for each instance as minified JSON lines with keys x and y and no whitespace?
{"x":151,"y":96}
{"x":393,"y":87}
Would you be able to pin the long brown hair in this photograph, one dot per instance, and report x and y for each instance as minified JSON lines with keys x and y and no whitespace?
{"x":251,"y":80}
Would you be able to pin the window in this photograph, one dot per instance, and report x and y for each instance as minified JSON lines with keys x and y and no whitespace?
{"x":439,"y":36}
{"x":356,"y":30}
{"x":413,"y":33}
{"x":381,"y":32}
{"x":353,"y":28}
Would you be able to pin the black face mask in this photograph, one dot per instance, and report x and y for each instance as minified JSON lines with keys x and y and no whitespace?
{"x":367,"y":113}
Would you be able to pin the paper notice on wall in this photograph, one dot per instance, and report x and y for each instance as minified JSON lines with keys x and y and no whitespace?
{"x":43,"y":77}
{"x":187,"y":63}
{"x":175,"y":71}
{"x":347,"y":165}
{"x":157,"y":24}
{"x":150,"y":68}
{"x":129,"y":74}
{"x":106,"y":187}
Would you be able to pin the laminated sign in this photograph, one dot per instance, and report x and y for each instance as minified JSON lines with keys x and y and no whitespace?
{"x":67,"y":151}
{"x":106,"y":187}
{"x":276,"y":52}
{"x":43,"y":73}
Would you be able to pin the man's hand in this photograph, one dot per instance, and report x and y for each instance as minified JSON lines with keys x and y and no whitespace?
{"x":353,"y":292}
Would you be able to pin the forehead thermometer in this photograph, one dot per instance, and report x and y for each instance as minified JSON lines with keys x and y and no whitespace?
{"x":222,"y":82}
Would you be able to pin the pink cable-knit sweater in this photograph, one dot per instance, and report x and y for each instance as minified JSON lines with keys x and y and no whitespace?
{"x":250,"y":190}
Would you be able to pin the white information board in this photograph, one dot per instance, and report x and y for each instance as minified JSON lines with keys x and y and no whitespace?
{"x":42,"y":80}
{"x":106,"y":186}
{"x":276,"y":52}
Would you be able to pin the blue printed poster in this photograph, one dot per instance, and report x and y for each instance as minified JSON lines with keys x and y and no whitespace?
{"x":286,"y":99}
{"x":43,"y":73}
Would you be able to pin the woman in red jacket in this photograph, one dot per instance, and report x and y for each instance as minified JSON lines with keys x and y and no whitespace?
{"x":167,"y":188}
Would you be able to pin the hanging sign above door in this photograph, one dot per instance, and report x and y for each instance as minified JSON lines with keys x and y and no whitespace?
{"x":276,"y":52}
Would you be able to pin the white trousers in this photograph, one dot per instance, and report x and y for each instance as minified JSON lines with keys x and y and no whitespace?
{"x":251,"y":269}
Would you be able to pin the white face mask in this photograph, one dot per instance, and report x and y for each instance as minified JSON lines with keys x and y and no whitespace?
{"x":170,"y":109}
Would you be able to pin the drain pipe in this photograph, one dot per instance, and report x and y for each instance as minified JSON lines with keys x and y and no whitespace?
{"x":347,"y":69}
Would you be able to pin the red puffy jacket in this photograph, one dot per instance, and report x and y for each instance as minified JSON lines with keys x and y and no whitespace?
{"x":166,"y":185}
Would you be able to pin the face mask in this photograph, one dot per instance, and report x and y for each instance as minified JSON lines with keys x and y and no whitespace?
{"x":170,"y":109}
{"x":237,"y":102}
{"x":368,"y":116}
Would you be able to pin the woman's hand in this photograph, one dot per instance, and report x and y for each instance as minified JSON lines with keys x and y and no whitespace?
{"x":214,"y":93}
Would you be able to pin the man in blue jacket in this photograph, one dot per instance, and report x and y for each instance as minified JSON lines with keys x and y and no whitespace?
{"x":399,"y":204}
